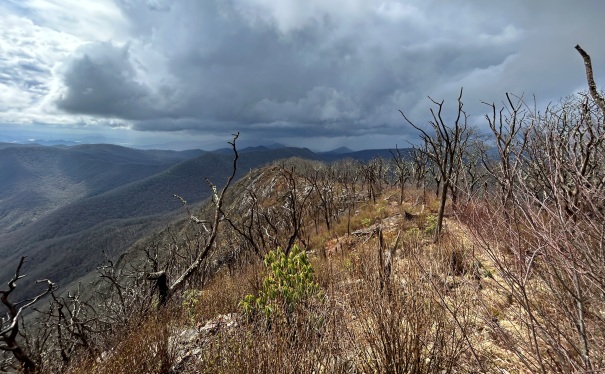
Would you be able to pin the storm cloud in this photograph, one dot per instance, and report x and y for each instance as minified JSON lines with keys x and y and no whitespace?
{"x":318,"y":73}
{"x":100,"y":80}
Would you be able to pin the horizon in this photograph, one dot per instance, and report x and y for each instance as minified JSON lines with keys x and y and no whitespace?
{"x":25,"y":137}
{"x":181,"y":146}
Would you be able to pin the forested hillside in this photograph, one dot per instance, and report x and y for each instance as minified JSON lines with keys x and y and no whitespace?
{"x":67,"y":208}
{"x":36,"y":180}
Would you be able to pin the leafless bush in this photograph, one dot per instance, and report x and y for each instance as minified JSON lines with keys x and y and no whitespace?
{"x":422,"y":321}
{"x":546,"y":235}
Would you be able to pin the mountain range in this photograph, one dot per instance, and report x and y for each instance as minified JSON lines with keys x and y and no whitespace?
{"x":66,"y":207}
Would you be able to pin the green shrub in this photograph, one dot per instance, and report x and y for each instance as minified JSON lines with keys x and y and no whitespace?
{"x":287,"y":284}
{"x":431,"y":225}
{"x":191,"y":300}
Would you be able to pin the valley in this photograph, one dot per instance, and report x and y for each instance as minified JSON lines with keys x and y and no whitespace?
{"x":67,"y":209}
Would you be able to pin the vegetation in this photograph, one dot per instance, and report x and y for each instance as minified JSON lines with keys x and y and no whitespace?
{"x":69,"y":206}
{"x":287,"y":285}
{"x":304,"y":266}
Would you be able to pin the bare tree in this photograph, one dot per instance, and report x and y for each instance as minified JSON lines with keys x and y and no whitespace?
{"x":370,"y":179}
{"x":403,"y":170}
{"x":9,"y":326}
{"x":510,"y":126}
{"x":323,"y":188}
{"x":474,"y":171}
{"x":445,"y":149}
{"x":348,"y":173}
{"x":546,"y":235}
{"x":250,"y":225}
{"x":421,"y":162}
{"x":295,"y":205}
{"x":161,"y":278}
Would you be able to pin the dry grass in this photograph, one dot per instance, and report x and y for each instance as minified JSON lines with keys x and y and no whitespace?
{"x":448,"y":307}
{"x":422,"y":321}
{"x":143,"y":348}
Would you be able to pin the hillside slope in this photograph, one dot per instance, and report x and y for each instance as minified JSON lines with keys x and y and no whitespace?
{"x":36,"y":180}
{"x":68,"y":242}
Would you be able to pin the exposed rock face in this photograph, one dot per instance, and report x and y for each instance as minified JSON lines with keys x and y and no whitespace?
{"x":188,"y":344}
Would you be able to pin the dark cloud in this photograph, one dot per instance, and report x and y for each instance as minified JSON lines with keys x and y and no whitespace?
{"x":227,"y":65}
{"x":321,"y":70}
{"x":100,"y":80}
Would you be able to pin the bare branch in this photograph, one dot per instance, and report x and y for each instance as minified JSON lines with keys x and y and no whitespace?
{"x":592,"y":86}
{"x":218,"y":202}
{"x":10,"y":331}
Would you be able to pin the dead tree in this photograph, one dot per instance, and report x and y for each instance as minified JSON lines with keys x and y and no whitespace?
{"x":474,"y":171}
{"x":249,"y":226}
{"x":295,"y":206}
{"x":566,"y":160}
{"x":403,"y":170}
{"x":9,"y":325}
{"x":322,"y":193}
{"x":348,"y":173}
{"x":510,"y":127}
{"x":322,"y":181}
{"x":370,"y":177}
{"x":445,"y":149}
{"x":420,"y":162}
{"x":461,"y":163}
{"x":160,"y":278}
{"x":552,"y":243}
{"x":592,"y":86}
{"x":565,"y":155}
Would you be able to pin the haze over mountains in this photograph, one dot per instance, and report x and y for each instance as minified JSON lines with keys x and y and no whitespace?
{"x":64,"y":206}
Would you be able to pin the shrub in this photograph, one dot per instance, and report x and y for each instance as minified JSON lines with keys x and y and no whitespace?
{"x":431,"y":225}
{"x":287,"y":284}
{"x":190,"y":303}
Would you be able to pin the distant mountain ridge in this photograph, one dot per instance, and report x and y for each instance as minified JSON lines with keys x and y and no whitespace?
{"x":63,"y":206}
{"x":339,"y":151}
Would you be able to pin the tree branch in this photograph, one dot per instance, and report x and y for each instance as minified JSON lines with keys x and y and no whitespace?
{"x":8,"y":333}
{"x":592,"y":86}
{"x":217,"y":199}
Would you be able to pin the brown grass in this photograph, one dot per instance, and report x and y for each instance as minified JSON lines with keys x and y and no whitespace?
{"x":143,"y":347}
{"x":448,"y":307}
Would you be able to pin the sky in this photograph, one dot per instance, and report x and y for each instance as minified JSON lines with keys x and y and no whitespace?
{"x":308,"y":73}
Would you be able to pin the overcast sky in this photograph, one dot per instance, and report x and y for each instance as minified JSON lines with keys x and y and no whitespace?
{"x":314,"y":73}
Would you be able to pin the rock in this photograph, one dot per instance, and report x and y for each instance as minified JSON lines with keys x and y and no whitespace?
{"x":222,"y":321}
{"x":188,"y":344}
